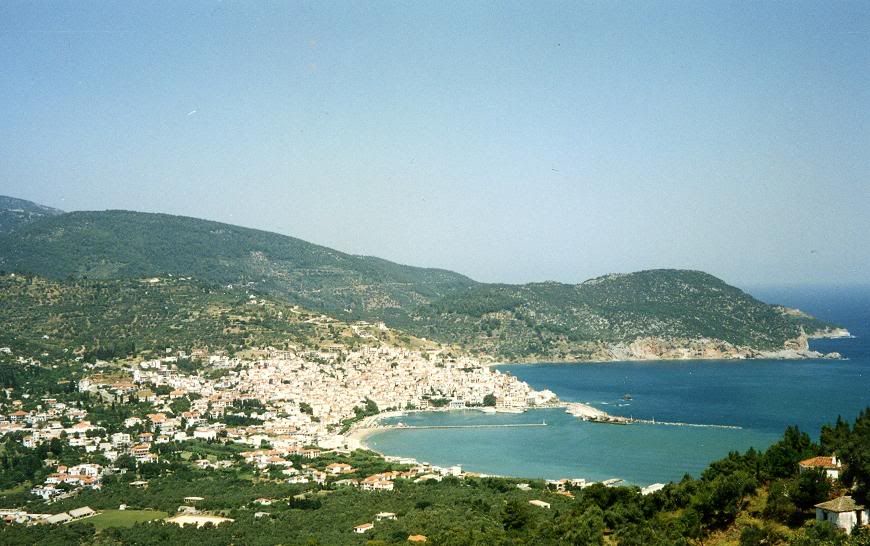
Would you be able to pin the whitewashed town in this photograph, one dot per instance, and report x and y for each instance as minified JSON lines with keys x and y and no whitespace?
{"x":283,"y":404}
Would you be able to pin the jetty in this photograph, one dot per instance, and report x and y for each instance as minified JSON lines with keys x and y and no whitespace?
{"x":595,"y":415}
{"x":679,"y":424}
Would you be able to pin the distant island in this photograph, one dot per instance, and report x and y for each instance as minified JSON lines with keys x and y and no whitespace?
{"x":656,"y":314}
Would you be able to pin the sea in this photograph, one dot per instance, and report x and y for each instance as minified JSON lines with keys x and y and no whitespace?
{"x":702,"y":409}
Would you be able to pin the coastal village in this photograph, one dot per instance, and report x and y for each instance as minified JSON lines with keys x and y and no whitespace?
{"x":293,"y":412}
{"x":285,"y":406}
{"x":295,"y":415}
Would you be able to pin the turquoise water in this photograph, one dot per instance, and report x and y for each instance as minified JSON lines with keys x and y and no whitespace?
{"x":761,"y":397}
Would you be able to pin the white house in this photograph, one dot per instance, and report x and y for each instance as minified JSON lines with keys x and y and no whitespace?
{"x":843,"y":512}
{"x":652,"y":488}
{"x":46,"y":492}
{"x":829,"y":464}
{"x":360,"y":529}
{"x":380,"y":516}
{"x":339,"y":468}
{"x":205,"y":434}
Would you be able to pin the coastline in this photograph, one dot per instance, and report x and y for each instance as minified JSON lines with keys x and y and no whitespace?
{"x":795,"y":349}
{"x":358,"y":438}
{"x":362,"y":432}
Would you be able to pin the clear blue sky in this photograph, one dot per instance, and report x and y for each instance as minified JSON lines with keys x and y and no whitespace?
{"x":508,"y":141}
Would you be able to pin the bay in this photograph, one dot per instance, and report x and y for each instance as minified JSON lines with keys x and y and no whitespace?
{"x":761,"y":397}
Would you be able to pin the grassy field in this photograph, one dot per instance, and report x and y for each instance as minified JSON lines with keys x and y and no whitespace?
{"x":21,"y":488}
{"x":124,"y":518}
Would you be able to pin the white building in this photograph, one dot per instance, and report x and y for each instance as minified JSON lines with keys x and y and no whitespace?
{"x":360,"y":529}
{"x":829,"y":464}
{"x":843,"y":512}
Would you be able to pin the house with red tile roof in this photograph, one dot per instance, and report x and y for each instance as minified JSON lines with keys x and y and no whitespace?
{"x":827,"y":463}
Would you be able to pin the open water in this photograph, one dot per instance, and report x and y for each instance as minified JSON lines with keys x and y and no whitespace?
{"x":761,"y":397}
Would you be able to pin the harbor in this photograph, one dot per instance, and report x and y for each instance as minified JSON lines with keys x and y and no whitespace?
{"x":402,"y":426}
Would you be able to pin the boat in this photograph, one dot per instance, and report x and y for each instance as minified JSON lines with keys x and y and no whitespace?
{"x":626,"y":397}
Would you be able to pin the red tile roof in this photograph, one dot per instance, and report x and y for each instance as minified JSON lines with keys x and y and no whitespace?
{"x":819,"y":462}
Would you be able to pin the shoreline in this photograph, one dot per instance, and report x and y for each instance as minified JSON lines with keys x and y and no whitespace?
{"x":741,"y":353}
{"x":581,"y":411}
{"x":359,"y":433}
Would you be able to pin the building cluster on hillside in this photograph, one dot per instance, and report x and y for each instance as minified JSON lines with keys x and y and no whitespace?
{"x":286,"y":403}
{"x":85,"y":475}
{"x":15,"y":515}
{"x":304,"y":398}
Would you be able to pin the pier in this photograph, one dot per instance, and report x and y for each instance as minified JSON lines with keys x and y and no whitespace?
{"x":678,"y":424}
{"x":594,"y":415}
{"x":616,"y":420}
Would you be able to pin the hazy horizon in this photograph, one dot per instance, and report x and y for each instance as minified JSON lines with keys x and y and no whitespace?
{"x":509,"y":142}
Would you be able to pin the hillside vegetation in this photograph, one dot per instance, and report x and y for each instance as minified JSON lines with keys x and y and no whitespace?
{"x":751,"y":499}
{"x":121,"y":244}
{"x":15,"y":213}
{"x":668,"y":310}
{"x":119,"y":318}
{"x":579,"y":321}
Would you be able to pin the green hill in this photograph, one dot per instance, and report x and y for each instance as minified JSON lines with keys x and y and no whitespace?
{"x":121,"y":244}
{"x":122,"y":317}
{"x":15,"y":213}
{"x":650,"y":314}
{"x":585,"y":321}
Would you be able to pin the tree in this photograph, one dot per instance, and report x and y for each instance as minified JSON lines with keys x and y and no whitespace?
{"x":856,"y":458}
{"x":810,"y":488}
{"x":834,"y":438}
{"x":819,"y":532}
{"x":588,"y":529}
{"x":489,"y":400}
{"x":780,"y":506}
{"x":782,"y":458}
{"x":515,"y":515}
{"x":719,"y":501}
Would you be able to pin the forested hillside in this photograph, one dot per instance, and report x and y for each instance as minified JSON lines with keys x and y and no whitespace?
{"x":675,"y":313}
{"x":121,"y":244}
{"x":579,"y":321}
{"x":93,"y":318}
{"x":15,"y":213}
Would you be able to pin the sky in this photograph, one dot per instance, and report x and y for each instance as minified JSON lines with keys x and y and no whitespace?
{"x":510,"y":141}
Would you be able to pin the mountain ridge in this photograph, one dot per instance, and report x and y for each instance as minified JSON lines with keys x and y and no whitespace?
{"x":664,"y":313}
{"x":15,"y":213}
